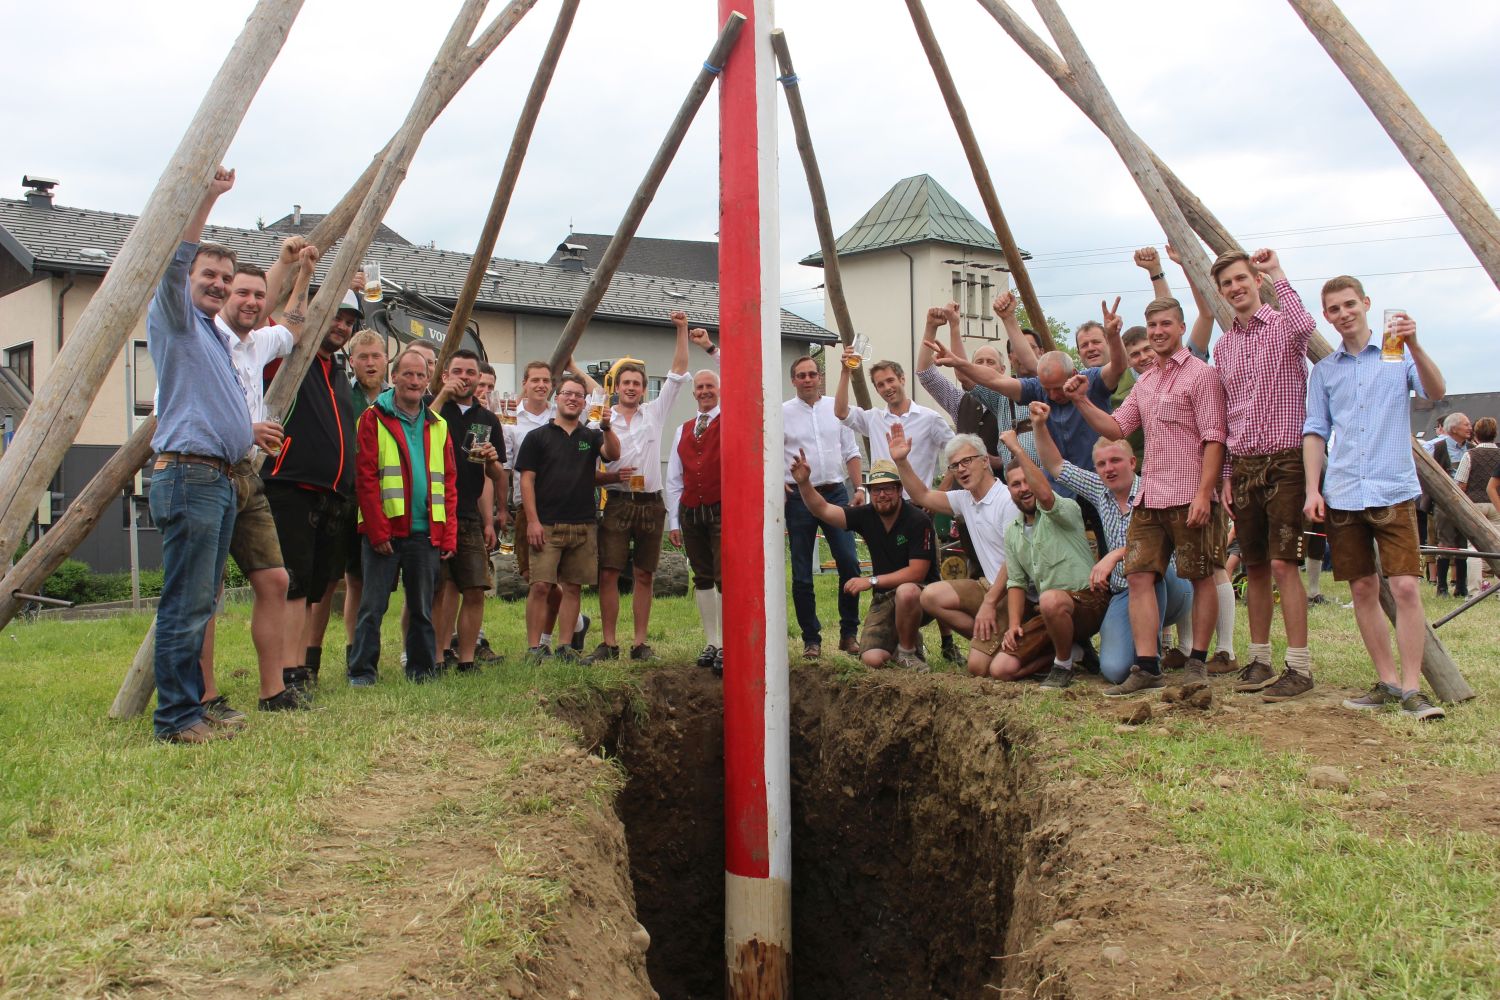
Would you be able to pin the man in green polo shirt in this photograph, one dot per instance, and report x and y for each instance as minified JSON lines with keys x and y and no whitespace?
{"x":1048,"y":562}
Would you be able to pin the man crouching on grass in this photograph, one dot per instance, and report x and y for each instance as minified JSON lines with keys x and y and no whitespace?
{"x":1368,"y":499}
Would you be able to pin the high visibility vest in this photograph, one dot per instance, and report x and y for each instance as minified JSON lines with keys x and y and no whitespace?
{"x":393,"y":483}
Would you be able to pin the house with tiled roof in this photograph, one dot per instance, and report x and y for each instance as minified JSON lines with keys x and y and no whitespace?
{"x":53,"y":258}
{"x":918,"y":247}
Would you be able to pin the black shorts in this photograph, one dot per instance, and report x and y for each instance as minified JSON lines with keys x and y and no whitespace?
{"x":314,"y":530}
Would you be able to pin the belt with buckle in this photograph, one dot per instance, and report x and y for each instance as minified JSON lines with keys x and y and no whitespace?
{"x":166,"y":458}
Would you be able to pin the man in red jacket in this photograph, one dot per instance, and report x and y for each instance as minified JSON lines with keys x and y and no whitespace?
{"x":693,"y":510}
{"x":404,"y":479}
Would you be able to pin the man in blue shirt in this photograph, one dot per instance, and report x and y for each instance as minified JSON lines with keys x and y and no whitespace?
{"x":202,"y":429}
{"x":1359,"y":401}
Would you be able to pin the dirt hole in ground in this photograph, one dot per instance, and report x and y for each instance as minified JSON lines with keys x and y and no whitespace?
{"x":909,"y":817}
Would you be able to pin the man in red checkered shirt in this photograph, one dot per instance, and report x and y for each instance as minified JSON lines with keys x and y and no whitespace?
{"x":1179,"y":403}
{"x":1262,"y":360}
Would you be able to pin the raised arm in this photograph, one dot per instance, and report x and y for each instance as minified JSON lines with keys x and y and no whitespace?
{"x":1148,"y":260}
{"x":1020,"y":344}
{"x":1007,"y":386}
{"x":936,"y":317}
{"x":222,"y":182}
{"x":1432,"y":381}
{"x":1114,"y":369}
{"x":680,"y":352}
{"x":287,"y":259}
{"x":1104,"y":424}
{"x":841,"y":393}
{"x":916,"y":487}
{"x":1203,"y":323}
{"x":295,"y":314}
{"x":588,"y":383}
{"x":1046,"y":448}
{"x":699,"y":336}
{"x":1035,"y":478}
{"x":610,"y":449}
{"x":830,"y":514}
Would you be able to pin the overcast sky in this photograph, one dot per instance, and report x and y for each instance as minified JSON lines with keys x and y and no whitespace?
{"x":1237,"y":97}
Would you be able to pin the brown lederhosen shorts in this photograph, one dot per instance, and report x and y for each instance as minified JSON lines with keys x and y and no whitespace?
{"x":1267,"y":493}
{"x":970,"y":597}
{"x":1156,"y":535}
{"x":637,"y":518}
{"x":701,"y":528}
{"x":469,"y":566}
{"x":1354,"y":535}
{"x":568,"y":555}
{"x":1089,"y":607}
{"x":254,"y":544}
{"x":879,"y":630}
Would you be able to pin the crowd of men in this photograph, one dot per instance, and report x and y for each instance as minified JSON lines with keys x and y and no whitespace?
{"x":1093,"y":501}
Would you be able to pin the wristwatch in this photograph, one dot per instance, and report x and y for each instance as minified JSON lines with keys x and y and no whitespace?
{"x":874,"y":582}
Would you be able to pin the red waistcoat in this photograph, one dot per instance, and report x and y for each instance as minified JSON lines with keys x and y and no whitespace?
{"x":700,"y":464}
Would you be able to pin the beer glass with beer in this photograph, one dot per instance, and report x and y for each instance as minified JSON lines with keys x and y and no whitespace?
{"x":507,"y":409}
{"x":596,"y":407}
{"x":860,"y":346}
{"x":508,"y":539}
{"x":373,"y":292}
{"x":479,"y":436}
{"x":1392,"y":344}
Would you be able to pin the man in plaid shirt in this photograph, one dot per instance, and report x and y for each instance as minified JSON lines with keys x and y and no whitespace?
{"x":1262,"y":360}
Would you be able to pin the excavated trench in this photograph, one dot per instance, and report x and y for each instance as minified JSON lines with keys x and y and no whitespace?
{"x":910,"y":812}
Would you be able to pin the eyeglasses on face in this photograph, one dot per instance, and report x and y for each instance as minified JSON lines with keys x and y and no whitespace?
{"x":962,"y":463}
{"x":570,"y":394}
{"x":812,"y":374}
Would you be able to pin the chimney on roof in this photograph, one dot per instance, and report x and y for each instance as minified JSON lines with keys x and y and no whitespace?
{"x":38,"y":190}
{"x":296,"y":215}
{"x":572,"y":256}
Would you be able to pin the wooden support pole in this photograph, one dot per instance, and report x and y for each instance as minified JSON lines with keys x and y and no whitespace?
{"x":572,"y":331}
{"x":53,"y":419}
{"x":1447,"y":497}
{"x":1168,"y":213}
{"x":981,"y":173}
{"x":140,"y":680}
{"x":1448,"y":685}
{"x":1413,"y":134}
{"x":506,"y":186}
{"x":833,"y":281}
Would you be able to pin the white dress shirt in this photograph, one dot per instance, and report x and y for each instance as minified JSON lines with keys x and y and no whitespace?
{"x":815,"y":430}
{"x":251,"y":355}
{"x":640,"y":437}
{"x":674,"y":470}
{"x":925,"y":428}
{"x":515,"y":433}
{"x":986,"y":520}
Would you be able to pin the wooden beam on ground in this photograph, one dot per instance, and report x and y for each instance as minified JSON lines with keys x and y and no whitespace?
{"x":1413,"y":134}
{"x":1458,"y":508}
{"x":833,"y":281}
{"x":1136,"y":158}
{"x":981,"y":173}
{"x":572,"y":331}
{"x":52,"y":421}
{"x":140,"y":680}
{"x":1448,"y":685}
{"x":506,"y":186}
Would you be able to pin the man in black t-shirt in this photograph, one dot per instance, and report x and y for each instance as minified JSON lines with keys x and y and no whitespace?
{"x":479,"y":446}
{"x":903,"y":557}
{"x":556,"y":464}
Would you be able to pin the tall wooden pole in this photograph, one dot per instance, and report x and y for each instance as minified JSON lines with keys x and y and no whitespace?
{"x":598,"y":284}
{"x":981,"y":172}
{"x":1142,"y":169}
{"x":506,"y":186}
{"x":1413,"y":134}
{"x":52,"y":421}
{"x":833,"y":281}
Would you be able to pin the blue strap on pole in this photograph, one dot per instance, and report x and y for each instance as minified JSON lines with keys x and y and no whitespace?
{"x":715,"y":70}
{"x":790,"y":80}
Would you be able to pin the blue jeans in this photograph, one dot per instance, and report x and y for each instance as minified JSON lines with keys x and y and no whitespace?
{"x":802,"y":531}
{"x":193,"y":507}
{"x":1174,"y":597}
{"x":416,"y":559}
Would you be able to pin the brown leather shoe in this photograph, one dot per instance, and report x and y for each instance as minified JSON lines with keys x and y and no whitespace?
{"x":1195,"y":672}
{"x":1288,"y":686}
{"x":849,"y":644}
{"x":1173,"y":659}
{"x":812,"y":650}
{"x":199,"y":732}
{"x":1222,"y":663}
{"x":1255,"y":675}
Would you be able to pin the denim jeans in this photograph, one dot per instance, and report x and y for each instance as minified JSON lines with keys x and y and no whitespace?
{"x":416,"y":559}
{"x":802,"y":531}
{"x":1174,"y":597}
{"x":193,"y":507}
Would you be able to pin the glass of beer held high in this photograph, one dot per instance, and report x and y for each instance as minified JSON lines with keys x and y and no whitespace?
{"x":1392,"y":344}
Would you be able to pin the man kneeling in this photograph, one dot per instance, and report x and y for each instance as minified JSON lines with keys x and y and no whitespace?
{"x":903,"y":557}
{"x":1047,"y":555}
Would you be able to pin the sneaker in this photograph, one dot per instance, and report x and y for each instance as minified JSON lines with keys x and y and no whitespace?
{"x":1089,"y":661}
{"x":849,"y":644}
{"x":450,"y":659}
{"x":718,"y":667}
{"x":286,"y":700}
{"x":567,"y":654}
{"x":1173,"y":659}
{"x":1288,"y":686}
{"x":536,"y":654}
{"x":579,"y":635}
{"x":642,"y":652}
{"x":1378,"y":697}
{"x":812,"y":650}
{"x":910,"y":660}
{"x":362,"y":681}
{"x":218,"y":713}
{"x":1222,"y":663}
{"x":1058,"y":678}
{"x":483,"y":653}
{"x":708,"y":656}
{"x":469,"y":667}
{"x":950,"y":650}
{"x":198,"y":732}
{"x":1138,"y":681}
{"x":1316,"y":599}
{"x":298,"y":679}
{"x":1195,"y":672}
{"x":1254,"y":675}
{"x":1416,"y":706}
{"x":602,"y":652}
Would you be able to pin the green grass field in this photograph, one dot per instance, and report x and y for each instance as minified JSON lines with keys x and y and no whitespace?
{"x":111,"y":844}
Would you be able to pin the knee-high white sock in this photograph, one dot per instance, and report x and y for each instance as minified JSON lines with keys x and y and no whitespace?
{"x":708,"y":613}
{"x":1184,"y":625}
{"x":1314,"y":568}
{"x":1225,"y":627}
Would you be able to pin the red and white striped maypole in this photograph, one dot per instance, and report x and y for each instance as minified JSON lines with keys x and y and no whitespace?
{"x":757,"y":772}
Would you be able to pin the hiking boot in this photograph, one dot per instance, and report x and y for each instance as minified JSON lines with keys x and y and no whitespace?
{"x":642,"y":652}
{"x":602,"y":652}
{"x":907,"y":659}
{"x":218,"y":713}
{"x":1379,"y":696}
{"x":536,"y":654}
{"x":950,"y":650}
{"x":567,"y":654}
{"x":198,"y":732}
{"x":1195,"y":672}
{"x":1173,"y":659}
{"x":580,"y":634}
{"x":708,"y":656}
{"x":1254,"y":675}
{"x":849,"y":644}
{"x":1222,"y":663}
{"x":298,"y":678}
{"x":469,"y":667}
{"x":1288,"y":686}
{"x":1137,"y":681}
{"x":483,"y":653}
{"x":1057,"y":678}
{"x":812,"y":650}
{"x":450,"y":660}
{"x":287,"y":700}
{"x":1416,"y":706}
{"x":718,"y":667}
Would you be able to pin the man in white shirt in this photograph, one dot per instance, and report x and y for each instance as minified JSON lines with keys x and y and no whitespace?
{"x":926,"y":429}
{"x":694,"y":510}
{"x":974,"y":608}
{"x":810,"y":427}
{"x":634,"y":513}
